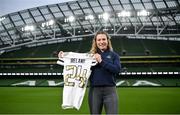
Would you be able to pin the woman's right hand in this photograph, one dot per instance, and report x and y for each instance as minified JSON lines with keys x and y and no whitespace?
{"x":98,"y":58}
{"x":61,"y":54}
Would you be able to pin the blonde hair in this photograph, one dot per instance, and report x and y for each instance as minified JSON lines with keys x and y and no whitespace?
{"x":94,"y":47}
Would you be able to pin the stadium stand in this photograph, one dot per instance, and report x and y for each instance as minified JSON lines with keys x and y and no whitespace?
{"x":133,"y":47}
{"x":42,"y":59}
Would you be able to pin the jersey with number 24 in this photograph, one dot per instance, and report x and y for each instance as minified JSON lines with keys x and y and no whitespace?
{"x":76,"y":73}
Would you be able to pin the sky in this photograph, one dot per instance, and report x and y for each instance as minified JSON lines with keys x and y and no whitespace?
{"x":10,"y":6}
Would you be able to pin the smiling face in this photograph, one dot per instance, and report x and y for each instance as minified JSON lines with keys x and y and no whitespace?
{"x":102,"y":42}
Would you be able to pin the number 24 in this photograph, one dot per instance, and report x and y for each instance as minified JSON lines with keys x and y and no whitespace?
{"x":76,"y":73}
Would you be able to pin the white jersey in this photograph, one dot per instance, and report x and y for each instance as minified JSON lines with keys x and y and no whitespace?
{"x":76,"y":73}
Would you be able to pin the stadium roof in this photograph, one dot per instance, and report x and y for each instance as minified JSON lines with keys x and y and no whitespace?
{"x":159,"y":19}
{"x":7,"y":7}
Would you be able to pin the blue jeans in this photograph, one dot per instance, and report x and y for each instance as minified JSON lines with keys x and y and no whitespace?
{"x":103,"y":96}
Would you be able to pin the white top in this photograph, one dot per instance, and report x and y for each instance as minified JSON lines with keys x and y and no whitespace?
{"x":76,"y":73}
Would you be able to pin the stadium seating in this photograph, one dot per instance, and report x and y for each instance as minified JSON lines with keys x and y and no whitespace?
{"x":123,"y":46}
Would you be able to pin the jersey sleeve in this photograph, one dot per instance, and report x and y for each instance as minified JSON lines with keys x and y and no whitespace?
{"x":60,"y":61}
{"x":94,"y":62}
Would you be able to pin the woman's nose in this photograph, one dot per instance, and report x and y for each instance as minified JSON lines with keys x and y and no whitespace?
{"x":101,"y":41}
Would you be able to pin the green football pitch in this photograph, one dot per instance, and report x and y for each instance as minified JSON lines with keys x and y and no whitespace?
{"x":47,"y":100}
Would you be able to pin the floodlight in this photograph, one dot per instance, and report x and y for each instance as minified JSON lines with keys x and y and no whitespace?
{"x":89,"y":17}
{"x":66,"y":20}
{"x":105,"y":16}
{"x":71,"y":18}
{"x":47,"y":24}
{"x":105,"y":29}
{"x":143,"y":13}
{"x":2,"y":18}
{"x":125,"y":28}
{"x":28,"y":28}
{"x":43,"y":24}
{"x":86,"y":30}
{"x":51,"y":22}
{"x":124,"y":14}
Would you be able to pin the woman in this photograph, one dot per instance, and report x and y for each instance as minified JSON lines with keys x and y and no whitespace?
{"x":102,"y":90}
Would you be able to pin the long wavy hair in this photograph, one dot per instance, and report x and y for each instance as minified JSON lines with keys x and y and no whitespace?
{"x":94,"y":47}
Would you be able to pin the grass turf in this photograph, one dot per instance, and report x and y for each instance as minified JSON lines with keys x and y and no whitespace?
{"x":47,"y":100}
